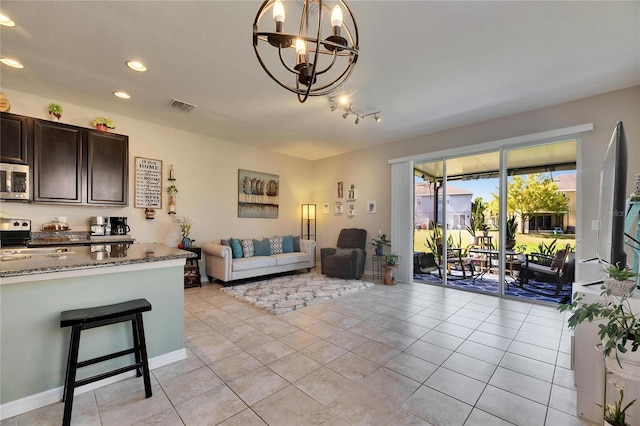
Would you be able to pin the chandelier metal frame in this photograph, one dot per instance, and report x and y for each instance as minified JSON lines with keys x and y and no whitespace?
{"x":308,"y":48}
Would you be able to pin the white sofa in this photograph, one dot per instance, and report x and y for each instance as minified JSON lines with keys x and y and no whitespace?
{"x":221,"y":265}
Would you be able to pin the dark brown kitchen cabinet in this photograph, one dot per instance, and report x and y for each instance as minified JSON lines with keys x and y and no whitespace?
{"x":57,"y":160}
{"x":74,"y":165}
{"x":107,"y":168}
{"x":13,"y":138}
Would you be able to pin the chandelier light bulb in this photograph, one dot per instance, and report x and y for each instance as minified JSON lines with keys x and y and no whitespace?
{"x":334,"y":107}
{"x":345,"y":115}
{"x":301,"y":48}
{"x":378,"y":118}
{"x":336,"y":17}
{"x":278,"y":11}
{"x":358,"y":120}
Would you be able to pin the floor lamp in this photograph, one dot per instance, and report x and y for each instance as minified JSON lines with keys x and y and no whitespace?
{"x":308,"y":222}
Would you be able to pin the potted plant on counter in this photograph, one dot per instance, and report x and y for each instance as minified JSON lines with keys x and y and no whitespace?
{"x":620,"y":280}
{"x":103,"y":124}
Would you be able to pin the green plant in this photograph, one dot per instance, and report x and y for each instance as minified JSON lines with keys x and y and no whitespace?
{"x":105,"y":121}
{"x":55,"y":110}
{"x":380,"y":241}
{"x":185,"y":225}
{"x":619,"y":324}
{"x":522,"y":248}
{"x":620,"y":274}
{"x":391,"y":259}
{"x":614,"y":414}
{"x":172,"y":189}
{"x":512,"y":228}
{"x":548,"y":249}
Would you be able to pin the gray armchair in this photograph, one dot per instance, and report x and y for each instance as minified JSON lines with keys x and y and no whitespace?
{"x":347,"y":259}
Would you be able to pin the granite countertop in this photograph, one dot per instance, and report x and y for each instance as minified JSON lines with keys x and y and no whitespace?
{"x":42,"y":239}
{"x":15,"y":263}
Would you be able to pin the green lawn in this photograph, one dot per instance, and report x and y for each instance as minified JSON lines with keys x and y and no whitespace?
{"x":531,"y":241}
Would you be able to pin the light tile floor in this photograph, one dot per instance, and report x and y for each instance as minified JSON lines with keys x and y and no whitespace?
{"x":409,"y":354}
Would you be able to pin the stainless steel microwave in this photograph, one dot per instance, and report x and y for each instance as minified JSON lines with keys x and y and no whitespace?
{"x":14,"y":182}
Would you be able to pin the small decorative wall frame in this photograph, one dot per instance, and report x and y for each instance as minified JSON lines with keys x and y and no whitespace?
{"x":325,"y":208}
{"x":371,"y":206}
{"x":148,"y":183}
{"x":339,"y":209}
{"x":351,"y":193}
{"x":258,"y":194}
{"x":340,"y":190}
{"x":351,"y":210}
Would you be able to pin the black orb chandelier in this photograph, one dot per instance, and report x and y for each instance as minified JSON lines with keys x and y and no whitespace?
{"x":317,"y":65}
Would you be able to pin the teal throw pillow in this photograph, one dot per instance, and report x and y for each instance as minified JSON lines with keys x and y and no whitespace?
{"x":262,"y":247}
{"x":287,"y":244}
{"x":236,"y":248}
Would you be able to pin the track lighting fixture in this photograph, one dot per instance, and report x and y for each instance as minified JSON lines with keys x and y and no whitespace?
{"x":343,"y":103}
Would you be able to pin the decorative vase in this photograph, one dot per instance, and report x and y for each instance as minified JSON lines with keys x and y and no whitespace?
{"x":102,"y":127}
{"x":172,"y":203}
{"x":186,"y":242}
{"x":379,"y":251}
{"x":629,"y":366}
{"x":620,"y":288}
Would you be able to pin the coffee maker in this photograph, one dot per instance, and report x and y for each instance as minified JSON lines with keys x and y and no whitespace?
{"x":119,"y":225}
{"x":100,"y":226}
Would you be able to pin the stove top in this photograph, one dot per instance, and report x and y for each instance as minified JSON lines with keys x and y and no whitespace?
{"x":14,"y":232}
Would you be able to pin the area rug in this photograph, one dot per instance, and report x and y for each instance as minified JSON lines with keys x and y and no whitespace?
{"x":287,"y":293}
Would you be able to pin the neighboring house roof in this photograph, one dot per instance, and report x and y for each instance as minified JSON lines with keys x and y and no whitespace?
{"x":424,"y":189}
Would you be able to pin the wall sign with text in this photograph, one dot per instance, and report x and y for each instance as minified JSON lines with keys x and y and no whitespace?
{"x":148,"y":183}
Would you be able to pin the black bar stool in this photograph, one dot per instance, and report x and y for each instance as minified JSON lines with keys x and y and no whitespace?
{"x":83,"y":319}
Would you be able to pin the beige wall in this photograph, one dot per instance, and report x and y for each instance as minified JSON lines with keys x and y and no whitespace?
{"x":369,"y":170}
{"x":206,"y":169}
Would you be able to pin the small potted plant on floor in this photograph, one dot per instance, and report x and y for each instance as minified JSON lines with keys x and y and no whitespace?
{"x":614,"y":414}
{"x":103,"y":124}
{"x":389,"y":263}
{"x":380,"y":242}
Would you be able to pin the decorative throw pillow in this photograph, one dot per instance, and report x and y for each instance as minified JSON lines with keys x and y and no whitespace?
{"x":225,"y":243}
{"x":276,"y":245}
{"x":247,"y":248}
{"x":344,"y":251}
{"x":296,"y":243}
{"x":262,"y":247}
{"x":557,"y":260}
{"x":287,"y":244}
{"x":236,"y":248}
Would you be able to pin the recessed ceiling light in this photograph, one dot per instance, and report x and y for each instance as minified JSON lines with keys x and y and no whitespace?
{"x":136,"y":66}
{"x":122,"y":95}
{"x":11,"y":62}
{"x":6,"y":21}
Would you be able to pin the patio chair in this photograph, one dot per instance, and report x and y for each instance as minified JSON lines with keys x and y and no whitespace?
{"x":547,"y":268}
{"x":455,"y":258}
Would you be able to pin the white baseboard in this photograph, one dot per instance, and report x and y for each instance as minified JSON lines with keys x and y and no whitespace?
{"x":51,"y":396}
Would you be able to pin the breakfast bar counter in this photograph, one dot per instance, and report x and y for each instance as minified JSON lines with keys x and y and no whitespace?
{"x":38,"y":285}
{"x":45,"y":260}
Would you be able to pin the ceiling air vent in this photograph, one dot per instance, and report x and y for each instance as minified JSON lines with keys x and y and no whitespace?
{"x":181,"y":105}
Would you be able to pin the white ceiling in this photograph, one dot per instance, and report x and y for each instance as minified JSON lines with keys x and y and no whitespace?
{"x":427,"y":65}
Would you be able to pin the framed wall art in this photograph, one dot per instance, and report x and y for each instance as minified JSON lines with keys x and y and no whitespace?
{"x":371,"y":206}
{"x":148,"y":183}
{"x":258,"y":194}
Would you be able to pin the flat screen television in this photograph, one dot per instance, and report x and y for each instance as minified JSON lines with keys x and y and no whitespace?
{"x":612,"y":207}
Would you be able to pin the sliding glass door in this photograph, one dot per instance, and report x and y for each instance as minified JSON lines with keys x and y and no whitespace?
{"x":477,"y":217}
